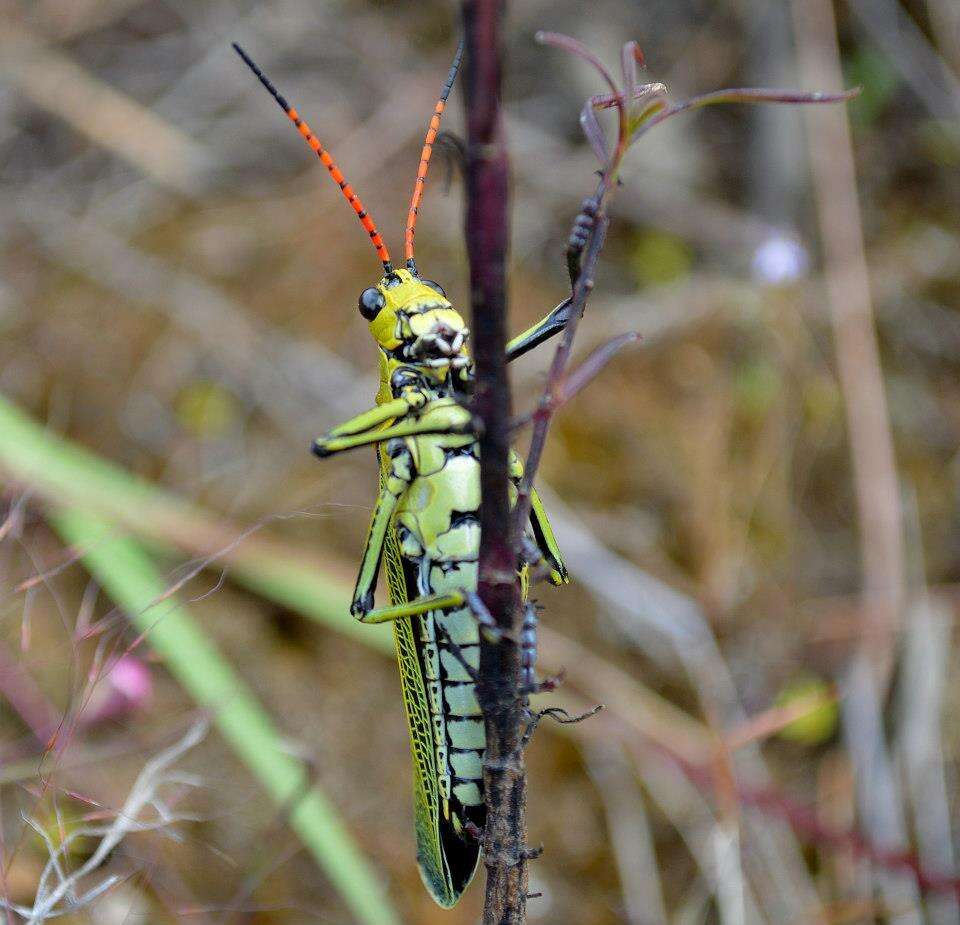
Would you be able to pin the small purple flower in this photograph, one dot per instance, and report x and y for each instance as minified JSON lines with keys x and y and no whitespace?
{"x":779,"y":260}
{"x":126,"y":685}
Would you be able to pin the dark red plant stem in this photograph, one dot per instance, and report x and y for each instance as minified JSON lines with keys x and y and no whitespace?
{"x":486,"y":233}
{"x":804,"y":821}
{"x":499,"y":681}
{"x":548,"y":401}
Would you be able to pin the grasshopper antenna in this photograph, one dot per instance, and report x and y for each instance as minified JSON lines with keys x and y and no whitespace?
{"x":325,"y":158}
{"x":425,"y":160}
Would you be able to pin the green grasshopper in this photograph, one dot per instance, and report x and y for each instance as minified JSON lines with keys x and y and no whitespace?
{"x":425,"y":526}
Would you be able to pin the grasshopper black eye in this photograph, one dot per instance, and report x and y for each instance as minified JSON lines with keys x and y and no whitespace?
{"x":435,"y":286}
{"x":371,"y":301}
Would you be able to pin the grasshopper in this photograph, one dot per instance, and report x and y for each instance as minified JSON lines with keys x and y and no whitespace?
{"x":425,"y":526}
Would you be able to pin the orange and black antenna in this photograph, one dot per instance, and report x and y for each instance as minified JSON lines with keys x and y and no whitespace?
{"x":327,"y":160}
{"x":425,"y":160}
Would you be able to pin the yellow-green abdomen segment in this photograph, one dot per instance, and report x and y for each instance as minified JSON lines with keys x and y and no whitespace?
{"x":433,"y":549}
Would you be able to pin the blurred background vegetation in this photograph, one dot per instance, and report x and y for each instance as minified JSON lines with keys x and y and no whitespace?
{"x":177,"y":297}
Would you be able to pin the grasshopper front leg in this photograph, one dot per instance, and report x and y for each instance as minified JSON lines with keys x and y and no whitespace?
{"x":399,"y":473}
{"x":327,"y":446}
{"x":395,"y":483}
{"x":368,"y":427}
{"x":360,"y":425}
{"x":557,"y":320}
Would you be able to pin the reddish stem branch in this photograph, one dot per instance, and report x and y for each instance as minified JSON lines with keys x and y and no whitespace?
{"x":806,"y":823}
{"x":561,"y":359}
{"x":499,"y":688}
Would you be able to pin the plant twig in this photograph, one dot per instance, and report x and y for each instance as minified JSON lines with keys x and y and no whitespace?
{"x":908,"y":49}
{"x":498,"y":689}
{"x":858,"y":359}
{"x":631,"y":835}
{"x":558,"y":367}
{"x":639,"y":108}
{"x":58,"y":891}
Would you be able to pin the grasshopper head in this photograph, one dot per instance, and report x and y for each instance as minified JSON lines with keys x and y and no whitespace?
{"x":414,"y":324}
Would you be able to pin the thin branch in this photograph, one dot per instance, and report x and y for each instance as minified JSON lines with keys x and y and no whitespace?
{"x":58,"y":891}
{"x":498,"y":690}
{"x":854,"y":330}
{"x":630,"y":127}
{"x":630,"y":832}
{"x":909,"y":50}
{"x":919,"y":747}
{"x":544,"y":413}
{"x":583,"y":375}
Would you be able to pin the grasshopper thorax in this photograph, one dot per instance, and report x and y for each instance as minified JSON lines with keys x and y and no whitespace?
{"x":415,"y":326}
